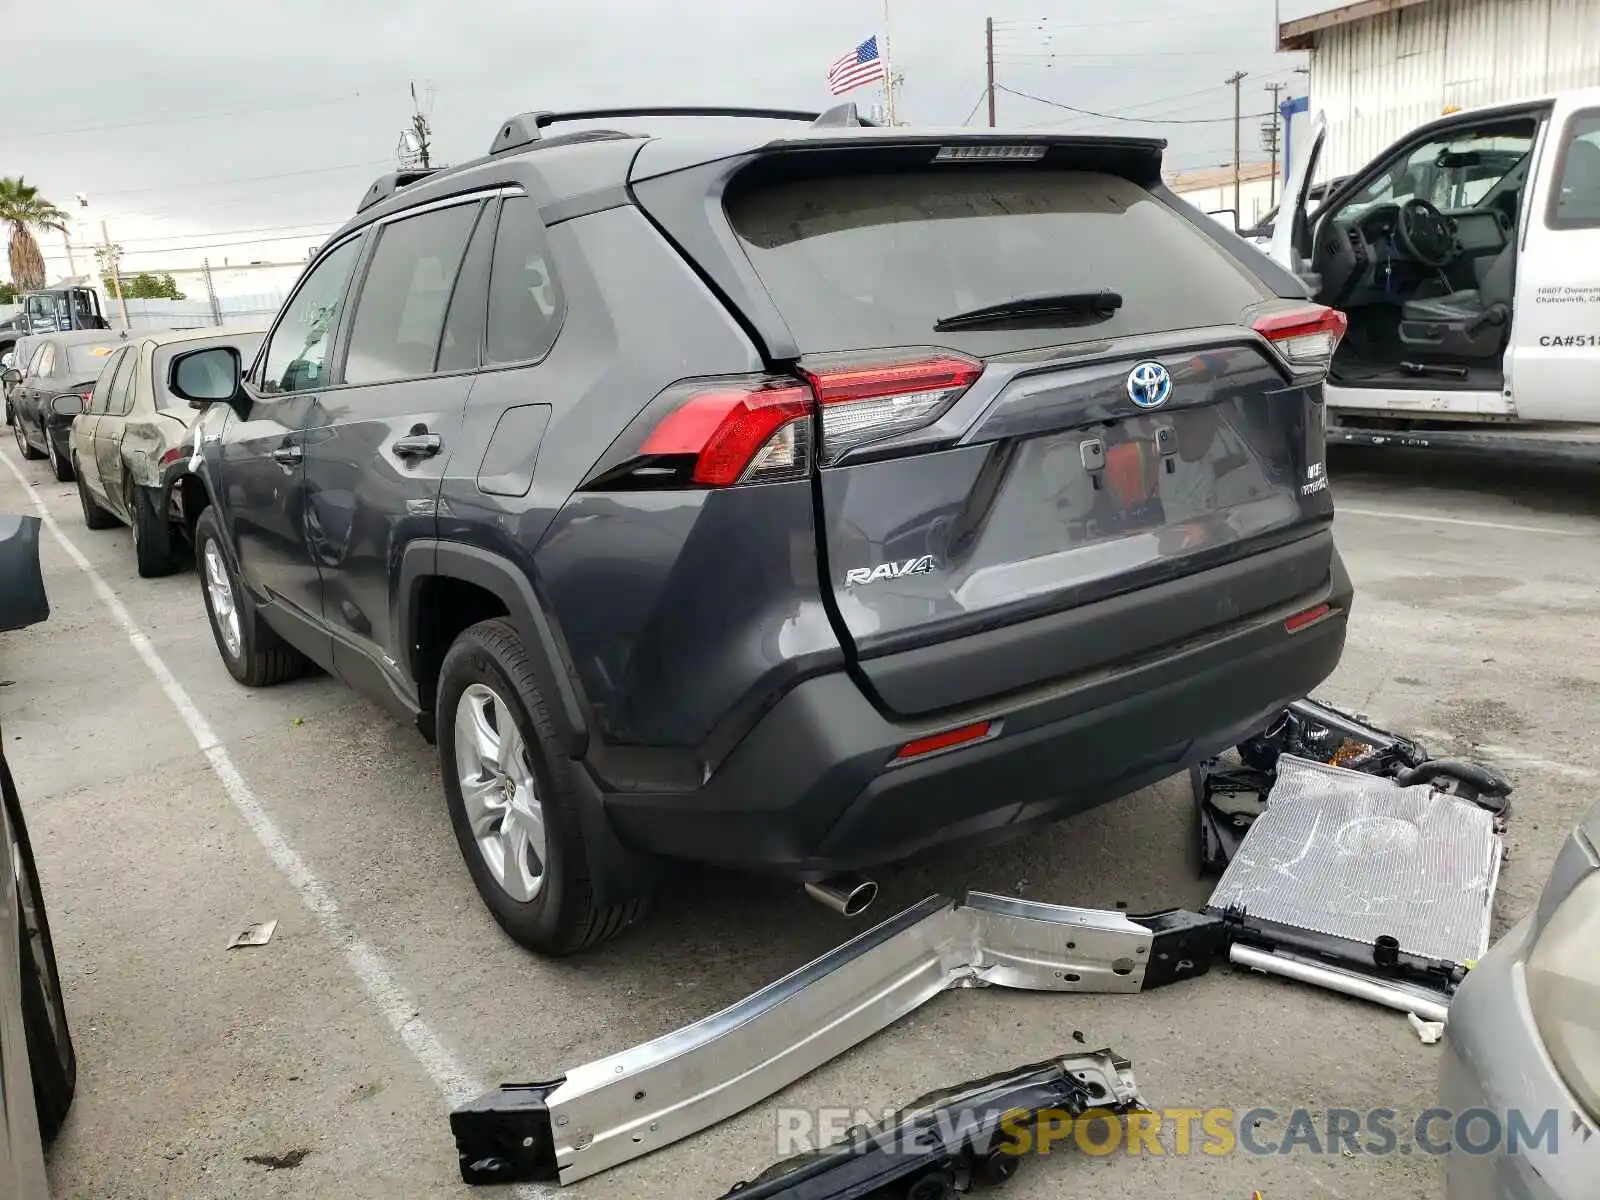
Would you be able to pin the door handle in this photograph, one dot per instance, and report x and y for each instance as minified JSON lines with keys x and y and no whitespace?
{"x":417,"y":445}
{"x":289,"y":456}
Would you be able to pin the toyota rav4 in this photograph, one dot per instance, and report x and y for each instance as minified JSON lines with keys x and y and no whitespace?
{"x":775,"y":491}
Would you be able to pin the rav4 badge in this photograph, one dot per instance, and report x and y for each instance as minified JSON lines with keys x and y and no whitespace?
{"x":889,"y":570}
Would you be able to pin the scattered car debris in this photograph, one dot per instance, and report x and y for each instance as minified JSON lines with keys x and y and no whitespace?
{"x":1228,"y":797}
{"x":1351,"y":860}
{"x":287,"y":1161}
{"x":258,"y":934}
{"x":951,"y":1140}
{"x":1320,"y":883}
{"x":1428,"y":1031}
{"x":615,"y":1109}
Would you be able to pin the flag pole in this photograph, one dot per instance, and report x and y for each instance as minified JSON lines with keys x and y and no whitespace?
{"x":888,"y":70}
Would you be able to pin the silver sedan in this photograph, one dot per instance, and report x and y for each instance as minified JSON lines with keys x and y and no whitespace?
{"x":1522,"y":1048}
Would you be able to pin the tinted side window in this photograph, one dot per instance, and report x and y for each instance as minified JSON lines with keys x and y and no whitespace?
{"x":123,"y":389}
{"x":298,"y":354}
{"x":37,"y":362}
{"x":525,"y":301}
{"x":105,"y":387}
{"x":400,"y":312}
{"x":1575,"y":203}
{"x":44,"y":363}
{"x":461,"y":347}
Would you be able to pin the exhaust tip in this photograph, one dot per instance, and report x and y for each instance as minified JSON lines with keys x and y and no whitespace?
{"x":846,"y":896}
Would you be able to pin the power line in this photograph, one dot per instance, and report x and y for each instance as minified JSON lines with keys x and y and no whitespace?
{"x":291,"y":237}
{"x":205,"y":116}
{"x":1104,"y":116}
{"x":976,"y":104}
{"x":183,"y":187}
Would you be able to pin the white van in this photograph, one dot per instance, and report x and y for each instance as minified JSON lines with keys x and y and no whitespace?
{"x":1467,"y":259}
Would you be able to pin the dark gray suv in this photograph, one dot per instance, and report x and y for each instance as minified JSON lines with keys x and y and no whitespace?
{"x":773,"y":492}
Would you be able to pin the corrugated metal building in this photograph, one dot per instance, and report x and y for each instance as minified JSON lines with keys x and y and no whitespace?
{"x":1380,"y":68}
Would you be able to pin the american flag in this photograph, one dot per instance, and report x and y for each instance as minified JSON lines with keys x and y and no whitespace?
{"x":861,"y":66}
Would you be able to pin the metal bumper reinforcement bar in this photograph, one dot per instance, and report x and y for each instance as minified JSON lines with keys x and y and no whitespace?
{"x":613,"y":1110}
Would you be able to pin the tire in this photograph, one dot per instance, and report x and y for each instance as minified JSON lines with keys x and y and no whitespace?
{"x":60,"y":467}
{"x":152,"y":535}
{"x":51,"y":1058}
{"x":261,"y":658}
{"x":561,"y":917}
{"x":94,"y":516}
{"x":23,"y":445}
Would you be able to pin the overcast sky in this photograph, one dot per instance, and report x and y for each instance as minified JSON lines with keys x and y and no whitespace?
{"x":205,"y":128}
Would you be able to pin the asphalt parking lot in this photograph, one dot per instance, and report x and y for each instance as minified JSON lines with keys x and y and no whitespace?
{"x":387,"y":988}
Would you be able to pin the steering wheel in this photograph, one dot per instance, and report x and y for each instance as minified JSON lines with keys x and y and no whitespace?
{"x":1424,"y":233}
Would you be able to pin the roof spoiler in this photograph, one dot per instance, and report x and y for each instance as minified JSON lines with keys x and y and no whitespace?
{"x":525,"y":129}
{"x":385,"y":186}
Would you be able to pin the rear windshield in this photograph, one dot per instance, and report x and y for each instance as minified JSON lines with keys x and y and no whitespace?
{"x":246,"y":343}
{"x":869,"y":260}
{"x":87,"y":360}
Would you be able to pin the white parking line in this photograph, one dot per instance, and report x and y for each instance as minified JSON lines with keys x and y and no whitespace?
{"x":1391,"y":515}
{"x":448,"y":1074}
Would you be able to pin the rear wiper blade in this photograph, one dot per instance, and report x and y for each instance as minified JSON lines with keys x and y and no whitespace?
{"x":1096,"y":306}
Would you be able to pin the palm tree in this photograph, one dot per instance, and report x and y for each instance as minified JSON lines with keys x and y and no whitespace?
{"x":27,"y":213}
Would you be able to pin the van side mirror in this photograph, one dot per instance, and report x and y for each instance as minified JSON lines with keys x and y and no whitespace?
{"x":204,"y":377}
{"x":10,"y":376}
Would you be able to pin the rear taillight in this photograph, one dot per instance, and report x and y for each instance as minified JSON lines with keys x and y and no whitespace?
{"x":763,"y":428}
{"x":867,"y":402}
{"x":758,"y":431}
{"x":1305,"y":337}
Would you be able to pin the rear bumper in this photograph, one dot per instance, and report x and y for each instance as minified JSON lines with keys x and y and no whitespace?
{"x":810,"y":791}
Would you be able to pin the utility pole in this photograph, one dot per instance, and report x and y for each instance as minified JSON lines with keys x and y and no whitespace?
{"x":112,"y":254}
{"x":1270,"y":132}
{"x":888,"y":71}
{"x":1234,"y":81}
{"x":989,"y":38}
{"x":420,"y":130}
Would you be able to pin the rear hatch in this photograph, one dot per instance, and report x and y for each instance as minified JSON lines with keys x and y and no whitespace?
{"x":1128,"y":457}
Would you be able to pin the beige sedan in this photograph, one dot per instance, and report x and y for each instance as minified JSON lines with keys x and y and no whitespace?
{"x":131,"y":443}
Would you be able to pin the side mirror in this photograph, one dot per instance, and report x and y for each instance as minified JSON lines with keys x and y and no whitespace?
{"x":10,"y":376}
{"x":203,"y":377}
{"x":67,"y":404}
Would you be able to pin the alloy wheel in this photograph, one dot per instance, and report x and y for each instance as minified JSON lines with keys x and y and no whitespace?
{"x":499,"y":792}
{"x":224,"y":612}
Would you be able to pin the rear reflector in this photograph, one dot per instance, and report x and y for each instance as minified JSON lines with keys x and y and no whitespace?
{"x":1310,"y":617}
{"x":867,"y":402}
{"x":1305,"y":337}
{"x":943,"y":741}
{"x":173,"y":455}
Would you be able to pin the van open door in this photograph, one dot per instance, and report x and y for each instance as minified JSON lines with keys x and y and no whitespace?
{"x":1290,"y":246}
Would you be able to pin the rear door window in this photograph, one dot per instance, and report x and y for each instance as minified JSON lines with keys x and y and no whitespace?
{"x":399,"y":315}
{"x":525,"y":304}
{"x":106,"y":386}
{"x":871,"y":260}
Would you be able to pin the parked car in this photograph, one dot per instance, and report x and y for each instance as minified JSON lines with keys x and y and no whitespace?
{"x":35,"y":1042}
{"x":16,"y":357}
{"x":1524,"y":1041}
{"x":131,"y":445}
{"x":791,"y":504}
{"x":52,"y":389}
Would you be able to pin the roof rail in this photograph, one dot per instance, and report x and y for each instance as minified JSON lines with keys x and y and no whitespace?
{"x":385,"y":186}
{"x":524,"y":128}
